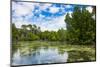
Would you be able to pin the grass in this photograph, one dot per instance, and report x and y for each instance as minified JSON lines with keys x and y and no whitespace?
{"x":76,"y":53}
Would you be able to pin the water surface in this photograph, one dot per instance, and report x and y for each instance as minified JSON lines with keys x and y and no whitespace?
{"x":26,"y":54}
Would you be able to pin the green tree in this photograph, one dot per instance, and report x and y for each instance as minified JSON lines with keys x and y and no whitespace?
{"x":62,"y":34}
{"x":81,"y":26}
{"x":14,"y":33}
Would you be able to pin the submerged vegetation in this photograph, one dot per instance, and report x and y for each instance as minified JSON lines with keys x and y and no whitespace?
{"x":79,"y":38}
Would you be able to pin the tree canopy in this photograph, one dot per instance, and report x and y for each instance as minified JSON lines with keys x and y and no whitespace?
{"x":81,"y":26}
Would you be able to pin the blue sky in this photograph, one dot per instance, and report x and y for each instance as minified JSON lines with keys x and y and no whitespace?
{"x":45,"y":15}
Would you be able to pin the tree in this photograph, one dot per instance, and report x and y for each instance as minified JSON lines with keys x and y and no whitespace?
{"x":81,"y":26}
{"x":14,"y":32}
{"x":61,"y":34}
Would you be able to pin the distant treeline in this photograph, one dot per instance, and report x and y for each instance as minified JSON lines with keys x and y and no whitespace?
{"x":32,"y":32}
{"x":80,"y":29}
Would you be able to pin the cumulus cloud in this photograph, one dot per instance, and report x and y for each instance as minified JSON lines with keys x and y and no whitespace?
{"x":54,"y":25}
{"x":22,"y":9}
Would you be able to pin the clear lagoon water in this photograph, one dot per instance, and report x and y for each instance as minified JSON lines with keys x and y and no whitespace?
{"x":26,"y":55}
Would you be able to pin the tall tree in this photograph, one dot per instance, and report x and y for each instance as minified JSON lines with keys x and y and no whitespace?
{"x":81,"y":26}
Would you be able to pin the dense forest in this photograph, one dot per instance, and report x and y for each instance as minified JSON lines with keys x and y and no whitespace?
{"x":80,"y":29}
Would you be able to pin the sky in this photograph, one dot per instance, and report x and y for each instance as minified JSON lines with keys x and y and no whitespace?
{"x":47,"y":16}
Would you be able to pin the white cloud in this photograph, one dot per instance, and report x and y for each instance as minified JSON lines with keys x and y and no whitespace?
{"x":22,"y":9}
{"x":53,"y":9}
{"x":89,"y":9}
{"x":44,"y":6}
{"x":54,"y":25}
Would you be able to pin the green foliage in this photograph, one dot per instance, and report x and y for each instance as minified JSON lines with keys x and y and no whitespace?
{"x":81,"y":26}
{"x":14,"y":32}
{"x":26,"y":33}
{"x":32,"y":32}
{"x":62,"y":34}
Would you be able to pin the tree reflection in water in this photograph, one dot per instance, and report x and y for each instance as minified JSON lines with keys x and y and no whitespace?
{"x":38,"y":55}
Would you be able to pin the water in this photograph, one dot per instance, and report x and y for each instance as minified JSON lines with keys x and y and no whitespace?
{"x":38,"y":55}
